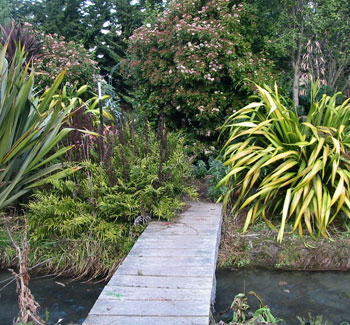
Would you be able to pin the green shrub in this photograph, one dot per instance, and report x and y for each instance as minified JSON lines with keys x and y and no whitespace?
{"x":58,"y":54}
{"x":287,"y":169}
{"x":241,"y":311}
{"x":213,"y":173}
{"x":95,"y":209}
{"x":200,"y":169}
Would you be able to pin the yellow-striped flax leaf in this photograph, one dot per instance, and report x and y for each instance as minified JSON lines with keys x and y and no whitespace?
{"x":339,"y":188}
{"x":304,"y":206}
{"x":248,"y":219}
{"x":280,"y":156}
{"x":284,"y":215}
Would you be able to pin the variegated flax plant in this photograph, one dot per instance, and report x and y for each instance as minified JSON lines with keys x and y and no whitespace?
{"x":287,"y":168}
{"x":30,"y":129}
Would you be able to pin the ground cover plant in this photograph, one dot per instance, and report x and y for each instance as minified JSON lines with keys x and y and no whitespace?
{"x":286,"y":169}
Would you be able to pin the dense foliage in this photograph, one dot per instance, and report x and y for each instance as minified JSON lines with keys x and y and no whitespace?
{"x":283,"y":27}
{"x":210,"y":174}
{"x":192,"y":63}
{"x":286,"y":169}
{"x":187,"y":67}
{"x":96,"y":207}
{"x":101,"y":26}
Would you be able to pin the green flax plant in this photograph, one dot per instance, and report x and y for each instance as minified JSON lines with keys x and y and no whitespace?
{"x":30,"y":129}
{"x":293,"y":169}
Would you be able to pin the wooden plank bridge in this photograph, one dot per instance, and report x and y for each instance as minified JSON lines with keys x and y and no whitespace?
{"x":169,"y":275}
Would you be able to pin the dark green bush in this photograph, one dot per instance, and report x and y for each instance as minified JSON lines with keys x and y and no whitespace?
{"x":213,"y":172}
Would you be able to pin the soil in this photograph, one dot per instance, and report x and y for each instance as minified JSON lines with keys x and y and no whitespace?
{"x":202,"y":185}
{"x":258,"y":247}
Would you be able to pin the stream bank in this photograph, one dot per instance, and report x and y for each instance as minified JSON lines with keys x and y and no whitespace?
{"x":258,"y":248}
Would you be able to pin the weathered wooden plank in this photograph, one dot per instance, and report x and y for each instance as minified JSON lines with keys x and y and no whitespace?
{"x":189,"y":240}
{"x":190,"y":224}
{"x":180,"y":230}
{"x":169,"y":261}
{"x":172,"y":236}
{"x":150,"y":308}
{"x":145,"y":320}
{"x":152,"y":294}
{"x":194,"y":220}
{"x":162,"y":252}
{"x":160,"y":282}
{"x":182,"y":243}
{"x":160,"y":270}
{"x":206,"y":211}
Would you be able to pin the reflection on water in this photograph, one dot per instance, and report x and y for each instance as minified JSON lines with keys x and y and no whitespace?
{"x":289,"y":294}
{"x":70,"y":301}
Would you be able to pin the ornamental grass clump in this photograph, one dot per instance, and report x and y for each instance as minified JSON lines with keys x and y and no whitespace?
{"x":286,"y":168}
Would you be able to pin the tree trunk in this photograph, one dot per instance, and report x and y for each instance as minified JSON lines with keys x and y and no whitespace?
{"x":296,"y":86}
{"x":296,"y":62}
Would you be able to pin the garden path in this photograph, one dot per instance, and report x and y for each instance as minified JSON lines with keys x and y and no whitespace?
{"x":169,"y":275}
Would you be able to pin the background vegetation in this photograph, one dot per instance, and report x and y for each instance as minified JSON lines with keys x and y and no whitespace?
{"x":170,"y":66}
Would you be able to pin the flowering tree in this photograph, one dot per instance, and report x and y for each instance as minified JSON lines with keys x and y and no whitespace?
{"x":57,"y":54}
{"x":193,"y":62}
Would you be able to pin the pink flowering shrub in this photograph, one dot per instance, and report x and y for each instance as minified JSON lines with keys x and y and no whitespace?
{"x":57,"y":55}
{"x":193,"y":62}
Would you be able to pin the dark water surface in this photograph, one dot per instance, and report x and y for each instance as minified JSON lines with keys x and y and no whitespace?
{"x":289,"y":294}
{"x":64,"y":299}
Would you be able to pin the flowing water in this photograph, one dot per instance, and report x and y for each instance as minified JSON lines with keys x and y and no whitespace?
{"x":288,"y":294}
{"x":62,"y":298}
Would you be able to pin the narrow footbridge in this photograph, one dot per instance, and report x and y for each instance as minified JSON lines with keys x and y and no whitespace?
{"x":169,"y":275}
